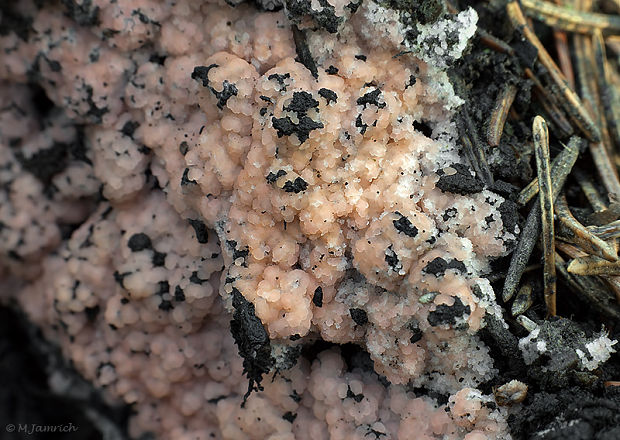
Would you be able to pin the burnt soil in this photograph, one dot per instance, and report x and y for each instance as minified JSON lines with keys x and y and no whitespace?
{"x":561,"y":403}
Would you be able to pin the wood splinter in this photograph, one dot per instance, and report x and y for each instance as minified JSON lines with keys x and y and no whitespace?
{"x":574,"y":232}
{"x":592,"y":265}
{"x":500,"y":112}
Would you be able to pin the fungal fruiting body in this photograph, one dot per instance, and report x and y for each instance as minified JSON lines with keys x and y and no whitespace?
{"x":296,"y":163}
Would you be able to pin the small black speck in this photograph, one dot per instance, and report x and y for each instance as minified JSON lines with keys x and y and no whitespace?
{"x":329,"y":95}
{"x":202,"y":234}
{"x":296,"y":186}
{"x":359,"y":316}
{"x":416,"y":335}
{"x":185,"y":178}
{"x":405,"y":226}
{"x":272,"y":177}
{"x":139,"y":242}
{"x":129,"y":128}
{"x":289,"y":416}
{"x":159,"y":259}
{"x":371,"y":98}
{"x":166,"y":305}
{"x":331,"y":70}
{"x":317,"y":298}
{"x":179,"y":295}
{"x":183,"y":148}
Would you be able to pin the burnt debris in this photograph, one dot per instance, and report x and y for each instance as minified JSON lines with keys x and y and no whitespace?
{"x":439,"y":266}
{"x":301,"y":103}
{"x":252,"y":341}
{"x":201,"y":73}
{"x":444,"y":314}
{"x":404,"y":225}
{"x":460,"y":182}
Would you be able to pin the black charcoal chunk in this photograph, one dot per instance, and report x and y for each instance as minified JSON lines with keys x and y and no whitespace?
{"x":317,"y":298}
{"x":201,"y":73}
{"x":359,"y":316}
{"x":286,"y":127}
{"x":139,"y":242}
{"x":509,"y":212}
{"x":324,"y":17}
{"x":351,"y":395}
{"x":462,"y":182}
{"x":301,"y":103}
{"x":279,"y":78}
{"x":329,"y":95}
{"x":185,"y":180}
{"x":392,"y":259}
{"x":195,"y":279}
{"x":331,"y":70}
{"x":371,"y":98}
{"x":405,"y":226}
{"x":289,"y":416}
{"x":202,"y":234}
{"x":228,"y":90}
{"x":423,"y":127}
{"x":416,"y":335}
{"x":296,"y":186}
{"x":439,"y":266}
{"x":129,"y":128}
{"x":304,"y":56}
{"x":272,"y":177}
{"x":252,"y":341}
{"x":46,"y":163}
{"x":159,"y":259}
{"x":444,"y":314}
{"x":179,"y":295}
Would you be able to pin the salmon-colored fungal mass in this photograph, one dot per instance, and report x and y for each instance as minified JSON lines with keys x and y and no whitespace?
{"x":297,"y":172}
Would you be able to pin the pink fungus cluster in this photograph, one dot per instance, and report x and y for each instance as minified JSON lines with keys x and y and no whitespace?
{"x":292,"y":171}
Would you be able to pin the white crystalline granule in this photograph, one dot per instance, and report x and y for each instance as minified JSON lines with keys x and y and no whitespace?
{"x":599,"y":351}
{"x":530,"y":348}
{"x":444,"y":41}
{"x":383,"y":26}
{"x":541,"y":346}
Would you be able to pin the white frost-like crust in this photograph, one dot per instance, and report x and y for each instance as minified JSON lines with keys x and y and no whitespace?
{"x":442,"y":42}
{"x":599,"y":351}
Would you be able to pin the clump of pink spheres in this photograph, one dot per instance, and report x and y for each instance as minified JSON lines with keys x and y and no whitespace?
{"x":203,"y":160}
